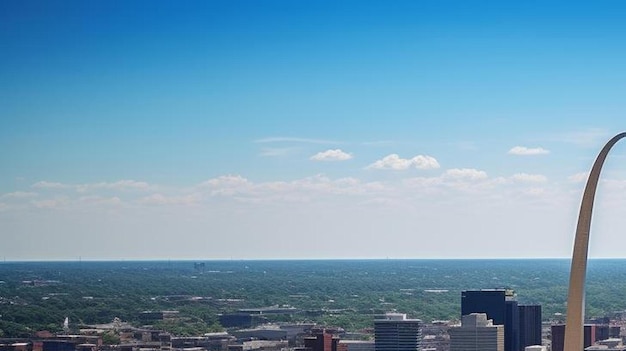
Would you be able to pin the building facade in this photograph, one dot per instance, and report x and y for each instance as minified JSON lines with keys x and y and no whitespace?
{"x":394,"y":332}
{"x":476,"y":333}
{"x":529,"y":325}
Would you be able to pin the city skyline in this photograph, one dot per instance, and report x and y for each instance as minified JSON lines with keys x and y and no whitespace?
{"x":264,"y":130}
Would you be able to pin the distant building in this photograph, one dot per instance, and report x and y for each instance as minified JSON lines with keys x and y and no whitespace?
{"x":9,"y":345}
{"x":271,"y":310}
{"x":615,"y":331}
{"x":394,"y":332}
{"x":259,"y":345}
{"x":529,"y":325}
{"x":241,"y":320}
{"x":59,"y":345}
{"x":558,"y":336}
{"x":210,"y":342}
{"x":602,"y":332}
{"x":476,"y":333}
{"x":288,"y":331}
{"x":321,"y":341}
{"x":356,"y":345}
{"x":613,"y":344}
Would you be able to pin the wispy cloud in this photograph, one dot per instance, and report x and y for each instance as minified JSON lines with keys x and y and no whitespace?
{"x":19,"y":195}
{"x":119,"y":185}
{"x":50,"y":185}
{"x":276,"y":151}
{"x":295,"y":140}
{"x":465,"y":173}
{"x":116,"y":186}
{"x":99,"y":200}
{"x":55,"y":203}
{"x":529,"y":178}
{"x":394,"y":162}
{"x":160,"y":199}
{"x":526,"y":151}
{"x":578,"y":177}
{"x":331,"y":155}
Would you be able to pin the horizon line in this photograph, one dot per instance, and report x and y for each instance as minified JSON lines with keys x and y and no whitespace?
{"x":78,"y":260}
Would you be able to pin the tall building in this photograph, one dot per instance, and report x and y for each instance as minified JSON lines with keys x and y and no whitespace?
{"x":511,"y":325}
{"x":529,"y":325}
{"x":394,"y":332}
{"x":500,"y":306}
{"x":321,"y":341}
{"x":476,"y":333}
{"x":558,"y":336}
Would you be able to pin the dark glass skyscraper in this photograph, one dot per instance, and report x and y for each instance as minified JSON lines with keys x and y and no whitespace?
{"x":529,"y":325}
{"x":500,"y":307}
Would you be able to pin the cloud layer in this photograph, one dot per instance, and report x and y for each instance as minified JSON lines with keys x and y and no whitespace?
{"x":396,"y":163}
{"x":526,"y":151}
{"x":224,"y":211}
{"x":331,"y":155}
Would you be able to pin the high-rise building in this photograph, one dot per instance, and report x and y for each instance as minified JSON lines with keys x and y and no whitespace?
{"x":321,"y":339}
{"x":500,"y":306}
{"x":558,"y":336}
{"x":529,"y":325}
{"x":319,"y":342}
{"x":602,"y":332}
{"x":511,"y":325}
{"x":394,"y":332}
{"x":476,"y":333}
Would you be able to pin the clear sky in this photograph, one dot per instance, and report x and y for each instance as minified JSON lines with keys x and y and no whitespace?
{"x":308,"y":129}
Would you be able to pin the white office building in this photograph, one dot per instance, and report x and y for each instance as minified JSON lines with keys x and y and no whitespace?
{"x":394,"y":332}
{"x":476,"y":333}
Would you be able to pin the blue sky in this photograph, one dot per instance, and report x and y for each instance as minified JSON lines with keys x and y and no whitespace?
{"x":265,"y":129}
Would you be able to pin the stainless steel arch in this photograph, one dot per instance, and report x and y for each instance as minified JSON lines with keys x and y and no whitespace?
{"x":576,"y":294}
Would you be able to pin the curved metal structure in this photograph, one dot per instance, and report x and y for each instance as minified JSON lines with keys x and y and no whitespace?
{"x":576,"y":295}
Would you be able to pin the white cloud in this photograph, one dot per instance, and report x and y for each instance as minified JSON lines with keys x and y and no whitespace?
{"x":331,"y":155}
{"x":119,"y":185}
{"x":529,"y":178}
{"x":227,"y":185}
{"x":50,"y":185}
{"x":124,"y":184}
{"x":98,"y":200}
{"x":578,"y":177}
{"x":226,"y":180}
{"x":465,"y":173}
{"x":394,"y":162}
{"x":51,"y":203}
{"x":19,"y":195}
{"x":160,"y":199}
{"x":526,"y":151}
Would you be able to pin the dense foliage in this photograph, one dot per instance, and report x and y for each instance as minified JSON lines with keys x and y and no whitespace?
{"x":38,"y":296}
